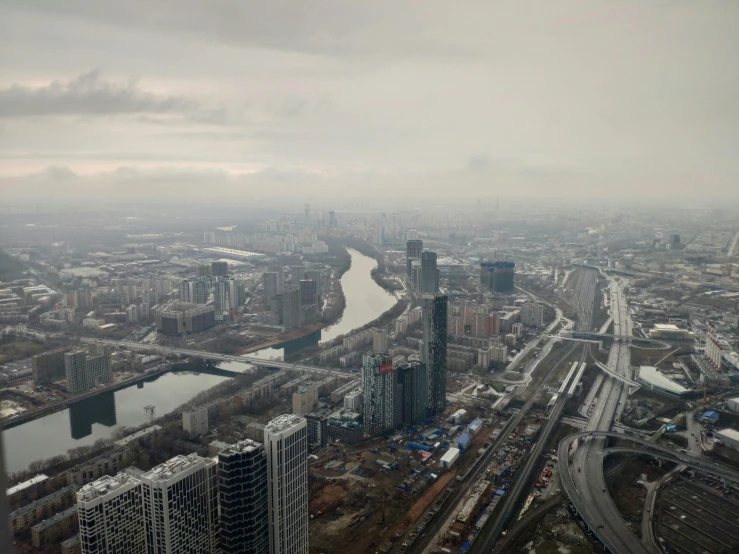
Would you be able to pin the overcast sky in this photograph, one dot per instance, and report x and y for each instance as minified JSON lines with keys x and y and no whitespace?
{"x":302,"y":99}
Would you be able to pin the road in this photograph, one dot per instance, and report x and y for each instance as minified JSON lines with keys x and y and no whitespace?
{"x":248,"y":360}
{"x":511,"y":501}
{"x":582,"y":477}
{"x":452,"y":503}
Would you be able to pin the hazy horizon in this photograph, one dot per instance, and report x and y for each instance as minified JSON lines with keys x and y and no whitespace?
{"x":287,"y":101}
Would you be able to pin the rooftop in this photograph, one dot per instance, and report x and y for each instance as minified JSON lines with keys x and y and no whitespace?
{"x":244,"y":446}
{"x":53,"y":520}
{"x":104,"y":486}
{"x":653,"y":377}
{"x":41,"y":501}
{"x":282,"y":422}
{"x":732,"y":434}
{"x":138,"y":434}
{"x":667,"y":327}
{"x":176,"y":465}
{"x":40,"y":478}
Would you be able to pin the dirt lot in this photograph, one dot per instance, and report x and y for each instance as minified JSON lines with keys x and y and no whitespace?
{"x":556,"y":534}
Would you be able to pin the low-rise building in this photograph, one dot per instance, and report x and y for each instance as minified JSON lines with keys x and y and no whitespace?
{"x":30,"y":514}
{"x":729,"y":437}
{"x":56,"y":527}
{"x":652,"y":378}
{"x":72,"y":546}
{"x":109,"y":463}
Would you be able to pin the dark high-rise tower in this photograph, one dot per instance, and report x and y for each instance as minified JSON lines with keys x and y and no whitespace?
{"x":434,"y":312}
{"x":429,"y":273}
{"x":219,"y":269}
{"x":413,"y":249}
{"x":497,"y":276}
{"x":414,"y":385}
{"x":242,"y":490}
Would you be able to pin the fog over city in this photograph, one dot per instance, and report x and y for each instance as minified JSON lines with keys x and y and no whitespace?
{"x":268,"y":100}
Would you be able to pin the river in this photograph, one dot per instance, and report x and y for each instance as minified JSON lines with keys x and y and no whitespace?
{"x":84,"y":423}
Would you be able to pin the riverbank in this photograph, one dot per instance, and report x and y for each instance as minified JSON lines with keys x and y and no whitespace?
{"x":371,"y":251}
{"x":30,"y":415}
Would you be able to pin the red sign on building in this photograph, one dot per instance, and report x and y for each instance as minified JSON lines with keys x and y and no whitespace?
{"x":386,"y":368}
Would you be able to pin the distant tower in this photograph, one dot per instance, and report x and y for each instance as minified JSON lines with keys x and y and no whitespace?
{"x":149,"y":411}
{"x":307,"y":213}
{"x":497,"y":208}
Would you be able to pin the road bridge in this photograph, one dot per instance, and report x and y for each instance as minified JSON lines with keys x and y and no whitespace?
{"x":617,"y":376}
{"x":722,"y":472}
{"x":215,"y":356}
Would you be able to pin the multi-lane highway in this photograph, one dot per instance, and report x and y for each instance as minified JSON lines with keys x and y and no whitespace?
{"x":584,"y":296}
{"x":511,"y":502}
{"x":582,"y":476}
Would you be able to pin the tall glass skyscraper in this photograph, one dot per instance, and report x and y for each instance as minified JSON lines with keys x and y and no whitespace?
{"x":433,"y":354}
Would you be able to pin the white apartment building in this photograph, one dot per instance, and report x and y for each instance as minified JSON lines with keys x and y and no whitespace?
{"x":195,"y":421}
{"x":353,"y":401}
{"x":180,"y":500}
{"x":286,"y":444}
{"x":111,"y":516}
{"x":304,"y":399}
{"x":483,"y":357}
{"x":499,"y":353}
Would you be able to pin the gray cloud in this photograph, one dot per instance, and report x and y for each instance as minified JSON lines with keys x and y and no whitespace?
{"x":583,"y":98}
{"x":87,"y":94}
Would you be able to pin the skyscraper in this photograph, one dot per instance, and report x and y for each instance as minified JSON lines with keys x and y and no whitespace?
{"x":243,"y":492}
{"x":225,"y":297}
{"x":429,"y":273}
{"x":297,"y":274}
{"x":288,"y":307}
{"x":412,"y":378}
{"x":286,"y":443}
{"x":219,"y":269}
{"x":332,"y":219}
{"x":379,"y":385}
{"x":270,"y":290}
{"x":180,"y":499}
{"x":434,"y":312}
{"x":497,"y":276}
{"x":306,"y":213}
{"x":84,"y":372}
{"x":308,"y":292}
{"x":413,"y":249}
{"x":111,"y":516}
{"x":194,"y":291}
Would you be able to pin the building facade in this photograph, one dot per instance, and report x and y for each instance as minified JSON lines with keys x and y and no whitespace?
{"x":242,"y":490}
{"x":111,"y":515}
{"x":434,"y":351}
{"x":48,"y":366}
{"x":180,"y":502}
{"x":286,"y":444}
{"x":429,"y":273}
{"x":84,"y":372}
{"x":379,"y":390}
{"x":288,"y":307}
{"x":195,"y":421}
{"x":413,"y":249}
{"x":412,"y":378}
{"x":269,"y":283}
